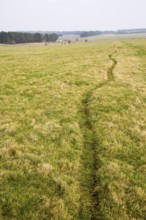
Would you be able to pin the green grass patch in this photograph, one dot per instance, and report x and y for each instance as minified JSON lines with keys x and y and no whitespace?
{"x":72,"y":142}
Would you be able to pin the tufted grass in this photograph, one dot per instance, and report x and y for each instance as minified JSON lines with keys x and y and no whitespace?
{"x":46,"y":167}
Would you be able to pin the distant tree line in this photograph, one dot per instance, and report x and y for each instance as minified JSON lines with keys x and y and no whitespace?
{"x":131,"y":31}
{"x":20,"y":37}
{"x":126,"y":31}
{"x":90,"y":33}
{"x":50,"y":37}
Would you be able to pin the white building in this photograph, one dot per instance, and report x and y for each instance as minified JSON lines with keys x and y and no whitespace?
{"x":68,"y":39}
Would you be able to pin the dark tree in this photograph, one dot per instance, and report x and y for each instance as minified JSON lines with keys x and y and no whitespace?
{"x":37,"y":37}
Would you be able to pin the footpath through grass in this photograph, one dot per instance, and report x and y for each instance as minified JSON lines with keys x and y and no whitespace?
{"x":118,"y":115}
{"x":72,"y":139}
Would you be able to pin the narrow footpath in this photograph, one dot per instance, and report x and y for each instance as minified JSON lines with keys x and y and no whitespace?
{"x":90,"y":199}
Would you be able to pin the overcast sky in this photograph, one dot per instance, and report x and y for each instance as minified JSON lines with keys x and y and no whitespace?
{"x":51,"y":15}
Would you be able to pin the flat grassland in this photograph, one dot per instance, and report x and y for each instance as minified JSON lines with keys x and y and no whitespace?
{"x":73,"y":131}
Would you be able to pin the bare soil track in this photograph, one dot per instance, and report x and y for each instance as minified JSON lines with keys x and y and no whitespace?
{"x":90,"y":199}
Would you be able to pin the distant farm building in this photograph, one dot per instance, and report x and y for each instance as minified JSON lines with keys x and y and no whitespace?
{"x":68,"y":39}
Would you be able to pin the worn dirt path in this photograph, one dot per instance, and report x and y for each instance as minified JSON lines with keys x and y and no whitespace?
{"x":90,"y":199}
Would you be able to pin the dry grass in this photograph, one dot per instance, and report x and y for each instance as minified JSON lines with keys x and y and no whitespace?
{"x":118,"y":112}
{"x":43,"y":129}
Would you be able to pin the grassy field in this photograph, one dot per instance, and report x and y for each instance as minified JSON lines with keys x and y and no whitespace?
{"x":73,"y":131}
{"x":114,"y":37}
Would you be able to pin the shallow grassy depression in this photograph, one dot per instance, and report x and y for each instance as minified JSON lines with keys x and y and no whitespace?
{"x":72,"y":131}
